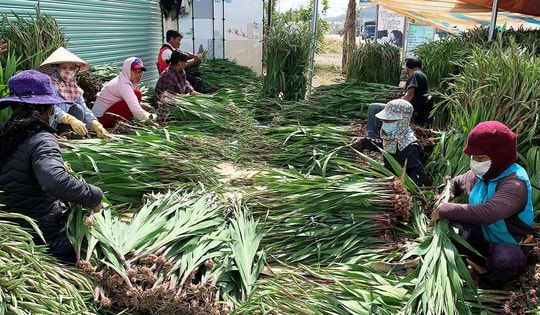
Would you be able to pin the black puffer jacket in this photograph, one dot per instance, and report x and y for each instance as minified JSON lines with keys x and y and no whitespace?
{"x":34,"y":182}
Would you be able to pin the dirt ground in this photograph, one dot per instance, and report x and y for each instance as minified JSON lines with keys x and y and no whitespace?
{"x":327,"y":69}
{"x":327,"y":65}
{"x":329,"y":59}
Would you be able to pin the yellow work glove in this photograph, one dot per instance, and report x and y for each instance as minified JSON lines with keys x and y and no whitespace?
{"x":78,"y":126}
{"x":98,"y":128}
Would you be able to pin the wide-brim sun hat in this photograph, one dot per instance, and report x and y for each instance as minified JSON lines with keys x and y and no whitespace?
{"x":396,"y":110}
{"x":30,"y":87}
{"x":62,"y":55}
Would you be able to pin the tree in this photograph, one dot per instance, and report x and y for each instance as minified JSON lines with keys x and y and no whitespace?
{"x":303,"y":16}
{"x":349,"y":34}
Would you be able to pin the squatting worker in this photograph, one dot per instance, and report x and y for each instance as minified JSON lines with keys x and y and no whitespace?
{"x":171,"y":83}
{"x":415,"y":91}
{"x":173,"y":80}
{"x":121,"y":99}
{"x":172,"y":44}
{"x":72,"y":114}
{"x":33,"y":178}
{"x":399,"y":140}
{"x":499,"y":213}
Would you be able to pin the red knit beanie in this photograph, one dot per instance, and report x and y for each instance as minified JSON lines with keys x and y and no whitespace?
{"x":494,"y":139}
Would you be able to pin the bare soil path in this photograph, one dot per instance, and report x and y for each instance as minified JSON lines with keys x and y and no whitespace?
{"x":327,"y":65}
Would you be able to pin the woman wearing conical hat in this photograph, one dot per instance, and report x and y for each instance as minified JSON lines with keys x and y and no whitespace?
{"x":62,"y":66}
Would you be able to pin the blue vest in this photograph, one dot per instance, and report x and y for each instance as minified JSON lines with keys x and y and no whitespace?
{"x":497,"y":232}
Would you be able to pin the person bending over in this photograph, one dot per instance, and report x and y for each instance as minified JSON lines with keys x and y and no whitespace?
{"x":173,"y":40}
{"x":498,"y":216}
{"x":399,"y":140}
{"x":120,"y":99}
{"x":33,"y":178}
{"x":415,"y":89}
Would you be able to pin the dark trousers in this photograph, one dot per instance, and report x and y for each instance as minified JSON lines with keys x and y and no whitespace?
{"x":195,"y":81}
{"x":504,"y":262}
{"x":60,"y":247}
{"x":421,"y":114}
{"x":76,"y":111}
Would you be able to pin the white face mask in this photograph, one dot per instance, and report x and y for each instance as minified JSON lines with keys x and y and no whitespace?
{"x":390,"y":128}
{"x":480,"y":168}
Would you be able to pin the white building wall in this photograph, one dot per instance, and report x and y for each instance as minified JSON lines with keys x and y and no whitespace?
{"x":229,"y":29}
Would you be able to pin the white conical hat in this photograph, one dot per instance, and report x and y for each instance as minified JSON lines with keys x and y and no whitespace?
{"x":62,"y":55}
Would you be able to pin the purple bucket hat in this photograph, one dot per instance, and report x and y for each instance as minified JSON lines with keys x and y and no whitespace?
{"x":396,"y":110}
{"x":30,"y":87}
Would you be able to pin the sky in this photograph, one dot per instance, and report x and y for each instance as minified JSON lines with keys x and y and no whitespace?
{"x":336,"y":7}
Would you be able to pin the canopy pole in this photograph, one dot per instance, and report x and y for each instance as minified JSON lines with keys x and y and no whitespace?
{"x":313,"y":43}
{"x":494,"y":12}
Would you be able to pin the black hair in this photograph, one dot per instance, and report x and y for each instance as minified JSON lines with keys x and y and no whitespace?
{"x":413,"y":62}
{"x":177,"y":57}
{"x":397,"y":37}
{"x":24,"y":121}
{"x":172,"y":34}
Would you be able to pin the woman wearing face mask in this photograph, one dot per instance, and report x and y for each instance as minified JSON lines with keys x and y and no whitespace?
{"x":72,"y":113}
{"x":499,"y":213}
{"x":33,"y":178}
{"x":120,"y":98}
{"x":399,"y":140}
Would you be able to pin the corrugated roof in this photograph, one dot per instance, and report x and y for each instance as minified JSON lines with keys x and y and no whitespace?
{"x":455,"y":16}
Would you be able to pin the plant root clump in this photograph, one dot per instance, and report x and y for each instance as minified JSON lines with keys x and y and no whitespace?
{"x":90,"y":86}
{"x":151,"y":290}
{"x":524,"y":296}
{"x":402,"y":202}
{"x":385,"y":225}
{"x":123,"y":127}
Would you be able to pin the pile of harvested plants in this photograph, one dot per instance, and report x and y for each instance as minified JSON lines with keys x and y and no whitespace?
{"x":183,"y":252}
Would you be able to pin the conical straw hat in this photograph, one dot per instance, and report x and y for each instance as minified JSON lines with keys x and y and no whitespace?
{"x":62,"y":55}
